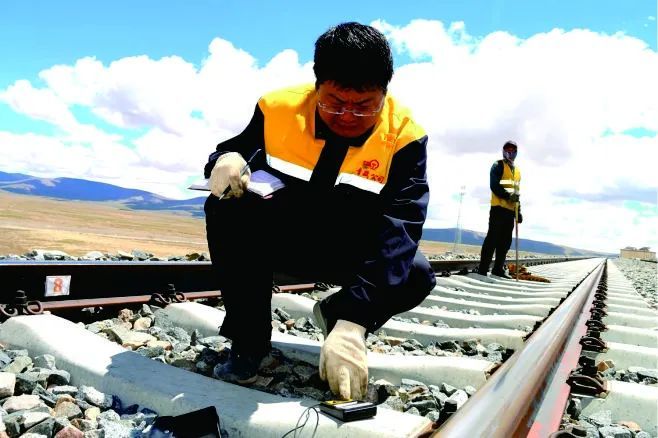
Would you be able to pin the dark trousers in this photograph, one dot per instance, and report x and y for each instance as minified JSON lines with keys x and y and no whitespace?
{"x":499,"y":239}
{"x":251,"y":238}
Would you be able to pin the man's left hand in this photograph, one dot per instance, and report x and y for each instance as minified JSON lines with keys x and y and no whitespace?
{"x":520,"y":219}
{"x":343,"y":360}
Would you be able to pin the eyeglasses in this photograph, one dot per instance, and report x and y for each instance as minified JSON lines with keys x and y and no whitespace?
{"x":357,"y":112}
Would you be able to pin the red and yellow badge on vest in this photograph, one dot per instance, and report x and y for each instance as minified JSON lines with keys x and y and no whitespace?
{"x":368,"y":170}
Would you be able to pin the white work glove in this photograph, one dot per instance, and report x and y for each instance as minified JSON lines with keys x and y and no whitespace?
{"x":343,"y":360}
{"x":227,"y":173}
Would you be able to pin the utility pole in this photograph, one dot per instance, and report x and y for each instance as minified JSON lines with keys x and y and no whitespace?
{"x":458,"y":228}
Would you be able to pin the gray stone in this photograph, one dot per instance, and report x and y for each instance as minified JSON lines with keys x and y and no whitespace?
{"x":45,"y":361}
{"x":46,"y":396}
{"x":493,"y":347}
{"x":21,"y":403}
{"x":27,"y":382}
{"x":216,"y":342}
{"x":433,"y":415}
{"x":145,"y":311}
{"x":300,"y":323}
{"x":448,"y":389}
{"x":32,"y":418}
{"x":57,"y":377}
{"x":305,"y":373}
{"x":601,"y":418}
{"x":43,"y":428}
{"x":424,"y":406}
{"x":7,"y":384}
{"x":4,"y":359}
{"x":84,"y":425}
{"x":151,"y":352}
{"x":648,"y":373}
{"x":109,"y":415}
{"x":615,"y":432}
{"x":495,"y":357}
{"x":183,"y":364}
{"x":410,"y":383}
{"x":141,"y":255}
{"x":449,"y":346}
{"x":12,"y":423}
{"x":394,"y":402}
{"x":64,"y":389}
{"x":18,"y":365}
{"x":413,"y":411}
{"x":94,"y":255}
{"x":282,"y":314}
{"x":411,"y":345}
{"x":460,"y":397}
{"x":100,"y":326}
{"x":95,"y":397}
{"x":470,"y":391}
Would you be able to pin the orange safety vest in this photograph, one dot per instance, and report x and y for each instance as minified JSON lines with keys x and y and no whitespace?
{"x":510,"y":181}
{"x":291,"y":146}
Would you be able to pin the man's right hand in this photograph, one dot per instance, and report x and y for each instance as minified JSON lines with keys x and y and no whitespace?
{"x":343,"y":361}
{"x":227,"y":173}
{"x":514,"y":197}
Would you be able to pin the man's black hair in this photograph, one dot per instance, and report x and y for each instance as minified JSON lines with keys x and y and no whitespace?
{"x":510,"y":143}
{"x":355,"y":56}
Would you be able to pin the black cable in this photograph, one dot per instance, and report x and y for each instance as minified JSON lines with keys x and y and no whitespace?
{"x":300,"y":427}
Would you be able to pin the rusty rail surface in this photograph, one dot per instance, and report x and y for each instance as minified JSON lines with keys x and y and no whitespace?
{"x":510,"y":403}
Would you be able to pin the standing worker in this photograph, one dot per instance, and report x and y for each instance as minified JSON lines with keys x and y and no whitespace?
{"x":504,"y":180}
{"x":351,"y":213}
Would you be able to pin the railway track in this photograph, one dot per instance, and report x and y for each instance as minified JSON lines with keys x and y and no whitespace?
{"x":445,"y":355}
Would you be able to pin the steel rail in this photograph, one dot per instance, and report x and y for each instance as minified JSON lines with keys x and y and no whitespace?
{"x":548,"y":416}
{"x":67,"y":304}
{"x":94,"y":279}
{"x":508,"y":404}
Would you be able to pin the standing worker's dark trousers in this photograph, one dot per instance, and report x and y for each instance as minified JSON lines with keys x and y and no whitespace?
{"x":250,"y":238}
{"x":499,"y":239}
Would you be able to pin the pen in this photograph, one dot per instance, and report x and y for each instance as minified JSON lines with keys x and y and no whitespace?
{"x":227,"y":190}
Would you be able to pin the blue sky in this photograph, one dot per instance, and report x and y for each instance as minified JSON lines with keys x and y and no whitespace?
{"x":39,"y":33}
{"x":137,"y":93}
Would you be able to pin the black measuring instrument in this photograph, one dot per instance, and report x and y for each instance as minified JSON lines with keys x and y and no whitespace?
{"x":348,"y":410}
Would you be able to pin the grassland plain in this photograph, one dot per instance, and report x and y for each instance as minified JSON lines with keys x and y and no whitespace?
{"x":76,"y":227}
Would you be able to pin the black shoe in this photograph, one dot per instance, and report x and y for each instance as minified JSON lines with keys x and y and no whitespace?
{"x":481,"y":272}
{"x":239,"y":368}
{"x":501,"y":274}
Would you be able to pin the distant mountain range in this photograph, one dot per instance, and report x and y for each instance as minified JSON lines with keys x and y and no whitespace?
{"x":82,"y":190}
{"x":469,"y":237}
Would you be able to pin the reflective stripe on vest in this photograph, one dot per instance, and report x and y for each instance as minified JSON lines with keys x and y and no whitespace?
{"x":511,"y":182}
{"x":289,"y":168}
{"x":291,"y":146}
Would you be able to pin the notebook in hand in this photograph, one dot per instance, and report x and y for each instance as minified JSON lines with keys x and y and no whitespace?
{"x":261,"y":182}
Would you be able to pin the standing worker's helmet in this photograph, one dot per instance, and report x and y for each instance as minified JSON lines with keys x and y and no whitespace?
{"x":509,"y":150}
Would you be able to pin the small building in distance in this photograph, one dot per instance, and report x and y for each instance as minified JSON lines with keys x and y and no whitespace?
{"x":643,"y":253}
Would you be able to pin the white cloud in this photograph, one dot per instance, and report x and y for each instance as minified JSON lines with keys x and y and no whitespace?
{"x":565,"y":97}
{"x":562,"y":96}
